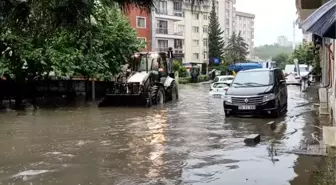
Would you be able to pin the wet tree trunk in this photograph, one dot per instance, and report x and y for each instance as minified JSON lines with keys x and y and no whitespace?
{"x":18,"y":94}
{"x":87,"y":89}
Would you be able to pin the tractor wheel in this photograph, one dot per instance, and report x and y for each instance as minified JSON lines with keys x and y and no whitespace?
{"x":158,"y":95}
{"x":173,"y":91}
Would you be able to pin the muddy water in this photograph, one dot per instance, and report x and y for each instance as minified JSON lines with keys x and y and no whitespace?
{"x":184,"y":142}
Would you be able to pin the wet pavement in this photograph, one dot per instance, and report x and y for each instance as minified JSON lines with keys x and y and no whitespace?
{"x":184,"y":142}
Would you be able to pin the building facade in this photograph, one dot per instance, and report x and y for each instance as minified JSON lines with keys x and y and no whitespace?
{"x":174,"y":24}
{"x":327,"y":92}
{"x":142,"y":22}
{"x":226,"y":17}
{"x":244,"y":24}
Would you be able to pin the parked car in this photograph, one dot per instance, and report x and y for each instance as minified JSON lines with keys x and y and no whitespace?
{"x":257,"y":91}
{"x":219,"y":90}
{"x":292,"y":76}
{"x":227,"y":79}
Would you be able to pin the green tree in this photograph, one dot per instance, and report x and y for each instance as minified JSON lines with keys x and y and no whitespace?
{"x":236,"y":49}
{"x":281,"y":60}
{"x":33,"y":45}
{"x":305,"y":54}
{"x":216,"y":42}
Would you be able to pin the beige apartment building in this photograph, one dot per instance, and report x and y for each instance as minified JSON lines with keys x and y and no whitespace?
{"x":244,"y":24}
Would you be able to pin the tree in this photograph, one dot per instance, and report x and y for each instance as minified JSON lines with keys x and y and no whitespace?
{"x":32,"y":45}
{"x":216,"y":43}
{"x":242,"y":48}
{"x":236,"y":49}
{"x":305,"y":54}
{"x":281,"y":60}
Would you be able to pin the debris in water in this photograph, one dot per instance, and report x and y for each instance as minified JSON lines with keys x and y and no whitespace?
{"x":252,"y":139}
{"x":30,"y":173}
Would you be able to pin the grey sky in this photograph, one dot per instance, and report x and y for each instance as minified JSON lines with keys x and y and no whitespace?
{"x":273,"y":18}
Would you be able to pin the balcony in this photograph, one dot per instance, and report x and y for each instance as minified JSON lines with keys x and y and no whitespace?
{"x":175,"y":15}
{"x":169,"y":33}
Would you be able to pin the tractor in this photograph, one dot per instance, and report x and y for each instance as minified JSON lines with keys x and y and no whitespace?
{"x":147,"y":80}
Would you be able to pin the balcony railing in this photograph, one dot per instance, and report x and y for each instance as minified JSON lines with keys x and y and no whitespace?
{"x":167,"y":31}
{"x":165,"y":49}
{"x":178,"y":13}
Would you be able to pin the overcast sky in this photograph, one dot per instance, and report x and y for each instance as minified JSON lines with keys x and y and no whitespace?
{"x":273,"y":18}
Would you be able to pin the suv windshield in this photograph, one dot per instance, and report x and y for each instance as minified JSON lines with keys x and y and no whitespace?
{"x":253,"y":79}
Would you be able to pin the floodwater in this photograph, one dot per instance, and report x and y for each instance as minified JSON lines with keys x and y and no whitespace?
{"x":184,"y":142}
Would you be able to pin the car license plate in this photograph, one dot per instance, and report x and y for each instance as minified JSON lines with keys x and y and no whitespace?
{"x":247,"y":107}
{"x":217,"y":96}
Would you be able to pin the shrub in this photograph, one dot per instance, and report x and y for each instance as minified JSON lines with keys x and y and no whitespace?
{"x":176,"y":65}
{"x":202,"y":78}
{"x":183,"y":72}
{"x":184,"y":80}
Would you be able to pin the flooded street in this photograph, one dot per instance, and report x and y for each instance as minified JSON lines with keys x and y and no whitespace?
{"x":184,"y":142}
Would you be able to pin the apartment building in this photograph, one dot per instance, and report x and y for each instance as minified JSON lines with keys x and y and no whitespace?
{"x":141,"y":22}
{"x":196,"y":32}
{"x":167,"y":26}
{"x":226,"y":17}
{"x":176,"y":26}
{"x":244,"y":24}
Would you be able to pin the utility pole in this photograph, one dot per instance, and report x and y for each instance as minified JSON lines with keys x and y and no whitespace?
{"x":294,"y":23}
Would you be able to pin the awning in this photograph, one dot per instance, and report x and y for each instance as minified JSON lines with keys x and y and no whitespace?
{"x":322,"y":22}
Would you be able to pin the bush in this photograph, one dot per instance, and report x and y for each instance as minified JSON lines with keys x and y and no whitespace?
{"x":202,"y":78}
{"x":183,"y":72}
{"x":184,"y":80}
{"x":176,"y":65}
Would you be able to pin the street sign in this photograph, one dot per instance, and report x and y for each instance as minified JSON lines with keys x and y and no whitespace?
{"x":216,"y":60}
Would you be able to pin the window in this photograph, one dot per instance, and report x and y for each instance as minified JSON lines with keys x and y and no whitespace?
{"x":227,"y":12}
{"x":253,"y":79}
{"x":206,"y":9}
{"x":227,"y":31}
{"x":177,"y":6}
{"x":195,"y":43}
{"x":227,"y":4}
{"x":195,"y":56}
{"x":162,"y":7}
{"x":195,"y":29}
{"x":205,"y":29}
{"x":178,"y":43}
{"x":180,"y":28}
{"x":205,"y":56}
{"x":162,"y":27}
{"x":141,"y":22}
{"x":205,"y":42}
{"x":163,"y":45}
{"x":205,"y":16}
{"x":195,"y":15}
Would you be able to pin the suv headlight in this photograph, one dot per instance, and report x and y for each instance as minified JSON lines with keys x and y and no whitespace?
{"x":228,"y":99}
{"x":268,"y":97}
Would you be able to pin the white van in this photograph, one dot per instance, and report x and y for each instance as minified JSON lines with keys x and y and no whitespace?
{"x":292,"y":76}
